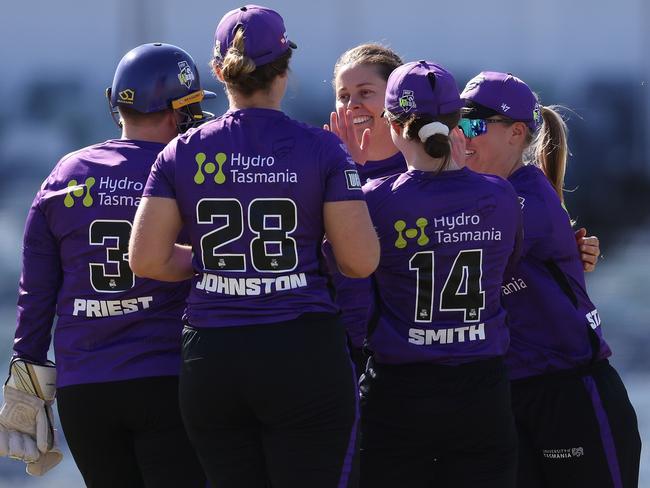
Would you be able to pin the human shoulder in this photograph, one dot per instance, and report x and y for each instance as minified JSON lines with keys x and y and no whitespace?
{"x":381,"y":184}
{"x":75,"y":161}
{"x":496,"y":183}
{"x":380,"y":189}
{"x":538,"y":200}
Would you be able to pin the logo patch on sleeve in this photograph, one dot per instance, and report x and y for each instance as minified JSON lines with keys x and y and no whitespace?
{"x":352,"y":179}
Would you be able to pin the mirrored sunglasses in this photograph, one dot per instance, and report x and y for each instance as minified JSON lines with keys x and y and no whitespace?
{"x":476,"y":127}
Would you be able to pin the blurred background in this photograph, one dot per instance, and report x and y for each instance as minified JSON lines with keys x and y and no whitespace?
{"x":591,"y":56}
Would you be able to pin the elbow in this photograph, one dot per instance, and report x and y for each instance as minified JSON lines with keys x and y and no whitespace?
{"x":143,"y":265}
{"x":356,"y":273}
{"x":364,"y":265}
{"x":140,"y":268}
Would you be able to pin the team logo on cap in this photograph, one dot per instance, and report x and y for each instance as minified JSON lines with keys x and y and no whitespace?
{"x":126,"y":96}
{"x":407,"y":100}
{"x":186,"y":76}
{"x":474,"y":82}
{"x":537,"y":115}
{"x":217,"y":49}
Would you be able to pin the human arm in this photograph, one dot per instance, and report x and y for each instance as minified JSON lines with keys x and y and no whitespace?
{"x":153,"y":252}
{"x":26,"y":420}
{"x":38,"y":288}
{"x":353,"y":238}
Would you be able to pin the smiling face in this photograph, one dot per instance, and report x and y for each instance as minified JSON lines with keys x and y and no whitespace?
{"x":361,"y":89}
{"x":497,"y":151}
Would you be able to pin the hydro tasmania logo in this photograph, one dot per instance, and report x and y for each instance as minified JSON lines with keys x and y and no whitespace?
{"x":77,"y":190}
{"x":108,"y":192}
{"x":239,"y":168}
{"x":400,"y":227}
{"x":210,"y":168}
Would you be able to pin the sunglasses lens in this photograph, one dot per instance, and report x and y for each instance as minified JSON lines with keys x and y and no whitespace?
{"x":472,"y":127}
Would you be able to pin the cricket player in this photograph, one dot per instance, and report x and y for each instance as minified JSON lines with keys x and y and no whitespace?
{"x":117,"y":337}
{"x":435,"y":395}
{"x":575,"y":422}
{"x":267,"y":388}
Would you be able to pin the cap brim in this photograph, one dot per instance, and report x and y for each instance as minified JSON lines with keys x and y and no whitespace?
{"x":473,"y":110}
{"x":292,"y":45}
{"x":209,"y":94}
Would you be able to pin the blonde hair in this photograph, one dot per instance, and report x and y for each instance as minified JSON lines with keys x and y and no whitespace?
{"x":240,"y":72}
{"x":236,"y":64}
{"x":549,"y":148}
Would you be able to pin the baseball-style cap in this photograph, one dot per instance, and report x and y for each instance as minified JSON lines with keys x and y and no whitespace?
{"x":421,"y":87}
{"x":265,"y":37}
{"x":492,"y":93}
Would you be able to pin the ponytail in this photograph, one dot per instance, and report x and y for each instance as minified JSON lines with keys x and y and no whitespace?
{"x":550,"y":148}
{"x":438,"y":145}
{"x":240,"y":72}
{"x":236,"y":64}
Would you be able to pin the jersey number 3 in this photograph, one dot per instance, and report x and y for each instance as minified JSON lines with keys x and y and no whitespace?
{"x":114,"y":275}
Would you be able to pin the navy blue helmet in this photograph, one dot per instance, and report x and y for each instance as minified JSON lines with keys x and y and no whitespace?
{"x":155,"y":77}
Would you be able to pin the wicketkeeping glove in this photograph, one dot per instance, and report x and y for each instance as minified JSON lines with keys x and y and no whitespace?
{"x":26,"y":420}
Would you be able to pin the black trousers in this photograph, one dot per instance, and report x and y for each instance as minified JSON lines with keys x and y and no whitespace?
{"x":426,"y":425}
{"x":576,"y":428}
{"x":129,"y":434}
{"x":272,"y":402}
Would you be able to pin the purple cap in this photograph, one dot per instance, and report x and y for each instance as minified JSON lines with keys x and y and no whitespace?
{"x":421,"y":87}
{"x":265,"y":37}
{"x":504,"y":94}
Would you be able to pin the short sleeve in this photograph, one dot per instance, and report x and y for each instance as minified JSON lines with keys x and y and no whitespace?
{"x":342,"y":181}
{"x":161,"y":181}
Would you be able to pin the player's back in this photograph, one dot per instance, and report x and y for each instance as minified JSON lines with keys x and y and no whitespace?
{"x":251,"y":187}
{"x":554,"y":324}
{"x":111,"y":324}
{"x":446,"y":239}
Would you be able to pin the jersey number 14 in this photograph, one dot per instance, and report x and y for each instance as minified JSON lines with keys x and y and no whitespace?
{"x":462,"y":291}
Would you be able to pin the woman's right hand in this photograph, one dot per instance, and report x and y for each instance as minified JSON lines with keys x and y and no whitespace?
{"x":589,"y":247}
{"x":457,"y":139}
{"x":342,"y":124}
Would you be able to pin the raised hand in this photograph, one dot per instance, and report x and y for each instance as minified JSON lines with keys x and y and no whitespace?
{"x":457,"y":139}
{"x":342,"y":124}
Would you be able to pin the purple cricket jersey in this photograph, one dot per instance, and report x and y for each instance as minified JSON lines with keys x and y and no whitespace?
{"x":446,"y":240}
{"x":552,"y":320}
{"x":111,"y":325}
{"x":250,"y":186}
{"x":353,"y":295}
{"x":372,"y":170}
